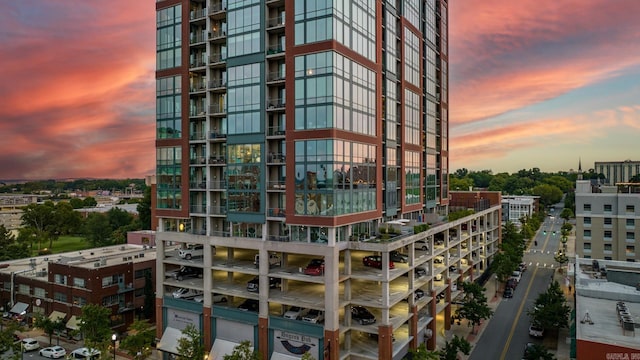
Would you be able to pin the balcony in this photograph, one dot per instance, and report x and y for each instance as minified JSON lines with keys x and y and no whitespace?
{"x":275,"y":77}
{"x":198,"y":15}
{"x":217,"y":84}
{"x":275,"y":23}
{"x":218,"y":59}
{"x":218,"y":210}
{"x":218,"y":185}
{"x":198,"y":111}
{"x":198,"y":160}
{"x":217,"y":160}
{"x":198,"y":209}
{"x":218,"y":110}
{"x":276,"y":104}
{"x":197,"y":136}
{"x":197,"y":62}
{"x":197,"y":86}
{"x":217,"y":10}
{"x":275,"y":50}
{"x":198,"y":185}
{"x":276,"y":131}
{"x":276,"y":212}
{"x":276,"y":185}
{"x":215,"y":135}
{"x":197,"y":38}
{"x":275,"y":158}
{"x":217,"y":35}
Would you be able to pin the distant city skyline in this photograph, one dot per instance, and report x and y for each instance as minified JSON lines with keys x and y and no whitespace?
{"x":532,"y":84}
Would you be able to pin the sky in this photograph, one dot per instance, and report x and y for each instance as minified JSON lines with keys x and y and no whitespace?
{"x":533,"y":83}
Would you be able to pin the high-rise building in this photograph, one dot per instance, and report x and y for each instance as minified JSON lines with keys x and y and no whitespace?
{"x":293,"y":139}
{"x":617,"y":171}
{"x":607,"y":221}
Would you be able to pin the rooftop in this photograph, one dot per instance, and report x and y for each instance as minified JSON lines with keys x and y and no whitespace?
{"x":89,"y":259}
{"x":599,"y":296}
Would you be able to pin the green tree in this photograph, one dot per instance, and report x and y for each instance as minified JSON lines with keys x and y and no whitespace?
{"x":243,"y":352}
{"x":463,"y":184}
{"x":421,"y":353}
{"x":502,"y":266}
{"x":118,"y":218}
{"x":566,"y":214}
{"x":498,"y":182}
{"x":481,"y":179}
{"x":89,"y":201}
{"x":40,"y":219}
{"x":551,"y":311}
{"x":538,"y":352}
{"x":144,"y":210}
{"x":190,"y":344}
{"x":48,"y":325}
{"x":96,"y":229}
{"x":549,"y":194}
{"x":6,"y":339}
{"x":453,"y":347}
{"x":138,"y":342}
{"x":76,"y":203}
{"x":95,"y":327}
{"x":474,"y":304}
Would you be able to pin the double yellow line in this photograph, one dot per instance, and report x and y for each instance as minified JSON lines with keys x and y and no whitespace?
{"x":515,"y":322}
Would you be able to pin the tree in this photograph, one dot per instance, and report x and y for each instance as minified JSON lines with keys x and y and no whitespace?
{"x":453,"y":347}
{"x":538,"y":352}
{"x":243,"y":352}
{"x":474,"y":304}
{"x":190,"y":344}
{"x":96,"y":229}
{"x":7,"y":341}
{"x":463,"y":184}
{"x":76,"y":203}
{"x":144,"y":210}
{"x":421,"y":353}
{"x":549,"y":194}
{"x":139,"y":339}
{"x":48,"y":325}
{"x":39,"y":218}
{"x":89,"y":201}
{"x":96,"y":327}
{"x":566,"y":214}
{"x":502,"y":266}
{"x":551,"y":311}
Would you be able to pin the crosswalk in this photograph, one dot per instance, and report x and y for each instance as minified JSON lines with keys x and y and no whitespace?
{"x":541,"y":265}
{"x":534,"y":251}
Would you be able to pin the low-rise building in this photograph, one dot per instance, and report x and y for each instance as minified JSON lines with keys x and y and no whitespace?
{"x":59,"y":285}
{"x":516,"y":207}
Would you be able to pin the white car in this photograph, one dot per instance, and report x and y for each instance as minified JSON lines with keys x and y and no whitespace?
{"x":184,"y":293}
{"x":295,"y":313}
{"x":191,"y":251}
{"x":536,"y":331}
{"x":216,"y":298}
{"x":54,"y":352}
{"x":314,"y":316}
{"x":30,"y":344}
{"x":517,"y":275}
{"x":85,"y":354}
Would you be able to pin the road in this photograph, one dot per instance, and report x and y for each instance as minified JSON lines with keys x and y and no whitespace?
{"x":508,"y":330}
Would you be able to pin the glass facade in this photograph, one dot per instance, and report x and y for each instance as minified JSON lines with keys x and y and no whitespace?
{"x":169,"y":37}
{"x":331,"y":91}
{"x":412,"y":177}
{"x":169,"y":177}
{"x":244,"y":28}
{"x":168,"y":107}
{"x":244,"y":178}
{"x":334,"y":177}
{"x":244,"y":100}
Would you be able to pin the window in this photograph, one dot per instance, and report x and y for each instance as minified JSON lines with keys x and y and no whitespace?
{"x":607,"y":207}
{"x":139,"y":274}
{"x":60,"y":279}
{"x":586,"y":207}
{"x":139,"y":292}
{"x":79,"y":300}
{"x":109,"y":280}
{"x":39,"y":292}
{"x":587,"y":246}
{"x":587,"y":221}
{"x":24,"y":289}
{"x":111,"y":300}
{"x":58,"y":296}
{"x":78,"y":282}
{"x":607,"y":234}
{"x":587,"y":233}
{"x":631,"y":208}
{"x":607,"y":247}
{"x":607,"y":221}
{"x":630,"y":250}
{"x":630,"y":236}
{"x":630,"y":222}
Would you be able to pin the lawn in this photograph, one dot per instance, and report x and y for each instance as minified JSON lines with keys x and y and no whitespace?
{"x":64,"y":244}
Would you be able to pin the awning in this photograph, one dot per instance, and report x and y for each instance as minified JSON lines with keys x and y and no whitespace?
{"x":221,"y":348}
{"x":19,"y":308}
{"x":57,"y":315}
{"x":169,"y":341}
{"x":280,"y":356}
{"x":73,"y":323}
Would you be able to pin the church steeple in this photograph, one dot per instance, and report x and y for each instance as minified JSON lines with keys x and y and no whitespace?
{"x":579,"y":168}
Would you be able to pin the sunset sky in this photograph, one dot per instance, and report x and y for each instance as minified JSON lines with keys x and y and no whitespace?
{"x":533,"y":83}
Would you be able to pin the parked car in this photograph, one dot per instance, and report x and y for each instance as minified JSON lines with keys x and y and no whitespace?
{"x":215,"y":298}
{"x":314,"y":316}
{"x":274,"y":260}
{"x":508,"y":293}
{"x":295,"y":313}
{"x":511,"y":283}
{"x":315,"y":267}
{"x":362,"y":315}
{"x":438,"y":277}
{"x":376,"y":261}
{"x":250,"y":305}
{"x":417,"y":295}
{"x":438,"y":259}
{"x":85,"y":354}
{"x":536,"y":331}
{"x":522,"y":267}
{"x":398,"y":256}
{"x":190,"y":251}
{"x":453,"y":268}
{"x":254,"y":284}
{"x":420,"y":272}
{"x":30,"y":344}
{"x":517,"y":275}
{"x":421,"y":245}
{"x":184,"y":293}
{"x":53,"y":352}
{"x":188,"y":271}
{"x":527,"y":350}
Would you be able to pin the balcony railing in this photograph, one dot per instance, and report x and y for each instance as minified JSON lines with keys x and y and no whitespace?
{"x":217,"y":83}
{"x":198,"y":85}
{"x":197,"y":136}
{"x":275,"y":103}
{"x":198,"y":61}
{"x":215,"y":7}
{"x":220,"y":160}
{"x":276,"y":21}
{"x":198,"y":111}
{"x":277,"y":185}
{"x":217,"y":34}
{"x":275,"y":158}
{"x":276,"y":131}
{"x":218,"y":185}
{"x":198,"y":160}
{"x":198,"y":14}
{"x":198,"y":185}
{"x":195,"y":38}
{"x":274,"y":49}
{"x":217,"y":109}
{"x":198,"y":209}
{"x":275,"y":76}
{"x":218,"y":210}
{"x":217,"y":57}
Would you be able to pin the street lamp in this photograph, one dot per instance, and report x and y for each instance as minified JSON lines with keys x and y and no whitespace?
{"x":113,"y":340}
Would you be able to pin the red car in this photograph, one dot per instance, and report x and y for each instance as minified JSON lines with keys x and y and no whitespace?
{"x":315,"y":267}
{"x":376,"y":261}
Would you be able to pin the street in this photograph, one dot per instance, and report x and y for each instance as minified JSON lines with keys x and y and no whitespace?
{"x":508,"y":331}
